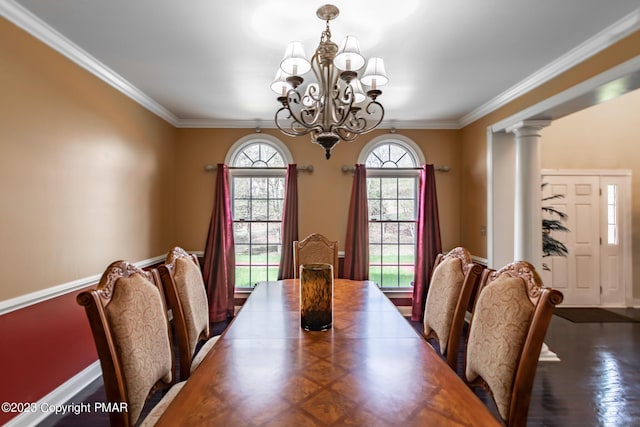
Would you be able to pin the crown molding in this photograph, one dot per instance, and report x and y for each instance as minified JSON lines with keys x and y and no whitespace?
{"x":33,"y":25}
{"x":610,"y":35}
{"x":224,"y":124}
{"x":247,"y":124}
{"x":24,"y":19}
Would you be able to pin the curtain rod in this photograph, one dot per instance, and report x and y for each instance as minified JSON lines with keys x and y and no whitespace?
{"x":301,"y":168}
{"x":443,"y":168}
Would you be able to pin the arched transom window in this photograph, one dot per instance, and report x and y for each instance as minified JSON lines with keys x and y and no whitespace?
{"x":392,"y":189}
{"x":257,"y":178}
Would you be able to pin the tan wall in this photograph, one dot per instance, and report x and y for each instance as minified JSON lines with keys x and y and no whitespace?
{"x":474,"y":137}
{"x":601,"y":137}
{"x":85,"y":172}
{"x":323,"y":195}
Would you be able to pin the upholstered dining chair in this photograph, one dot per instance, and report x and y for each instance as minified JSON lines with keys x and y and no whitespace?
{"x":187,"y":298}
{"x":453,"y":281}
{"x":315,"y":248}
{"x":128,"y":319}
{"x":508,"y":325}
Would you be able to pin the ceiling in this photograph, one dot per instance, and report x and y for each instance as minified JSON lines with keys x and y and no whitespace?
{"x":200,"y":63}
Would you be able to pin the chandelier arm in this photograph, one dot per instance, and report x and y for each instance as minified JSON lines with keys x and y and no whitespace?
{"x":343,"y":104}
{"x":359,"y":125}
{"x":305,"y":117}
{"x":292,"y":127}
{"x":345,"y":135}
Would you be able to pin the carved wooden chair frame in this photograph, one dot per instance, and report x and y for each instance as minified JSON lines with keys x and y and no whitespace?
{"x":95,"y":302}
{"x":544,"y":301}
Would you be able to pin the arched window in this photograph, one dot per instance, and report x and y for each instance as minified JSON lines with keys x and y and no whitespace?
{"x":392,"y":163}
{"x":257,"y":178}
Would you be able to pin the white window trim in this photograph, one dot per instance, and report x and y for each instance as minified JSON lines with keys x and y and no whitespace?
{"x":253,"y":138}
{"x":240,"y":145}
{"x":407,"y":143}
{"x":415,"y":151}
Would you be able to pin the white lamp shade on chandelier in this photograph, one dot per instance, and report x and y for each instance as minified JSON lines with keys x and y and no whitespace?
{"x":375,"y":74}
{"x":349,"y":57}
{"x":280,"y":85}
{"x":335,"y":106}
{"x":295,"y":61}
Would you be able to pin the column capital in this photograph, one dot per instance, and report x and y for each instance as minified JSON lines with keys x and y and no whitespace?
{"x":528,"y":127}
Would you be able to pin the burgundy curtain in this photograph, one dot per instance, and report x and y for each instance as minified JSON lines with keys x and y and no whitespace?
{"x":428,"y":239}
{"x":289,"y":223}
{"x":356,"y":248}
{"x":219,"y":253}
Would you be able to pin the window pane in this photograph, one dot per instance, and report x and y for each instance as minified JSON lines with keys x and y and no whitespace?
{"x":275,"y":210}
{"x":390,"y":254}
{"x":407,"y":254}
{"x":273,"y":252}
{"x":241,"y":187}
{"x":612,"y":235}
{"x":389,"y":210}
{"x":406,"y":233}
{"x":243,"y":277}
{"x":406,"y":210}
{"x":375,"y":232}
{"x":407,"y":188}
{"x":397,"y":153}
{"x":258,"y":232}
{"x":259,"y":210}
{"x":276,"y":188}
{"x":241,"y":209}
{"x":406,"y":162}
{"x":375,"y":209}
{"x":242,"y":161}
{"x":406,"y":275}
{"x":389,"y":188}
{"x":390,"y":276}
{"x":258,"y":186}
{"x":243,"y":252}
{"x":375,"y":254}
{"x":373,"y":188}
{"x":390,"y":232}
{"x":240,"y":233}
{"x":258,"y":274}
{"x":274,"y":232}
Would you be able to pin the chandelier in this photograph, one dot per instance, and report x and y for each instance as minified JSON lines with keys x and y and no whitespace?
{"x":334,"y":106}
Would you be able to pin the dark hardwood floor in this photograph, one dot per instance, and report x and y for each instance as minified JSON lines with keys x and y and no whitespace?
{"x":596,"y":383}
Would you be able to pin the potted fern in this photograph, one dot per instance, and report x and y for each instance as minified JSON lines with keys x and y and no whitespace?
{"x":553,"y":222}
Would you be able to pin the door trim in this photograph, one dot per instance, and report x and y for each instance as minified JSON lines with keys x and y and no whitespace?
{"x":625,"y":222}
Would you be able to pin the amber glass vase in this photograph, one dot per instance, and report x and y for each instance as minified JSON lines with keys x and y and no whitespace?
{"x":316,"y":296}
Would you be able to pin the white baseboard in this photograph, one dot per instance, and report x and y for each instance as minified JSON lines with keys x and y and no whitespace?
{"x":46,"y":406}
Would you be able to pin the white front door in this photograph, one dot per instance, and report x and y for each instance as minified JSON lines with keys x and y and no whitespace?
{"x":597,"y":270}
{"x":578,"y":274}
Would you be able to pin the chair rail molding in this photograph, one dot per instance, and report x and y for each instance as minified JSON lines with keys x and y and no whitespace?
{"x":22,"y":301}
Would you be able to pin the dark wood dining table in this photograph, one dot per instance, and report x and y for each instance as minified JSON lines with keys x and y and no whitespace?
{"x":370,"y":369}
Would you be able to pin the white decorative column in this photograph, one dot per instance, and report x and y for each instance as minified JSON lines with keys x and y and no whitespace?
{"x":528,"y":215}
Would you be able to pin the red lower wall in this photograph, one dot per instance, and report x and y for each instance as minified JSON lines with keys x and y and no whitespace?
{"x":41,"y":347}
